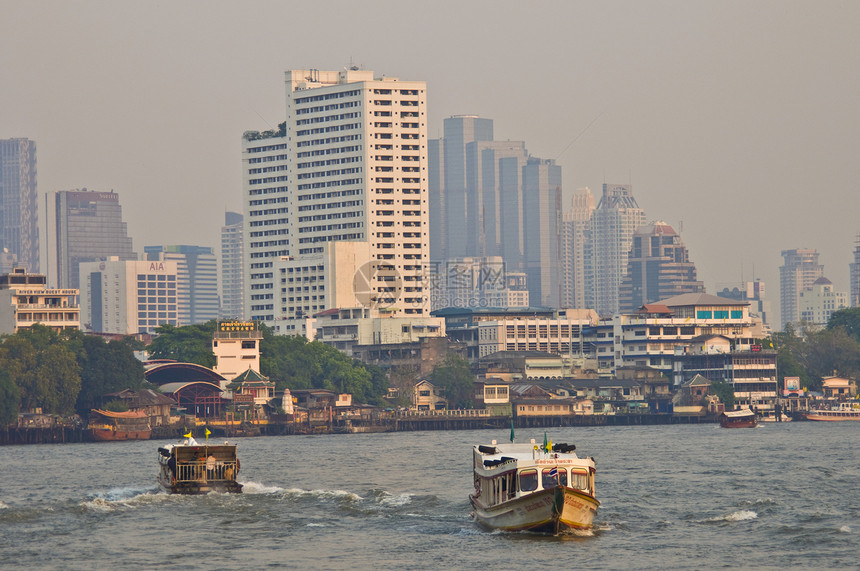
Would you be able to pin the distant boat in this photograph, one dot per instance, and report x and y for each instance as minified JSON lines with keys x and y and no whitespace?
{"x":739,"y":419}
{"x":770,"y":416}
{"x":522,"y":487}
{"x":105,"y":425}
{"x":845,"y":411}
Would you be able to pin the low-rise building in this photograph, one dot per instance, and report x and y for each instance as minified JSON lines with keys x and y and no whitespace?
{"x":236,"y":345}
{"x":345,"y":328}
{"x":25,"y":300}
{"x":426,"y":396}
{"x":839,"y":387}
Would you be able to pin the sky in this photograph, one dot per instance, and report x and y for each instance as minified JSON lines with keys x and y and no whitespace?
{"x":736,"y":121}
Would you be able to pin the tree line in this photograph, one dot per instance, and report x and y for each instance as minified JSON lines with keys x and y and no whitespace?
{"x":63,"y":373}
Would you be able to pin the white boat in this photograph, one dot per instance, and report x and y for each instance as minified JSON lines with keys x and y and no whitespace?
{"x":193,"y":468}
{"x":530,"y":487}
{"x":844,"y":411}
{"x":770,"y":416}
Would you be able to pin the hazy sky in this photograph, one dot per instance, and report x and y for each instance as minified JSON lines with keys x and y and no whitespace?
{"x":739,"y":118}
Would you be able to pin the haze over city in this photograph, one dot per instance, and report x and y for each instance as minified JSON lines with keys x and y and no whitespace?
{"x":735,"y":122}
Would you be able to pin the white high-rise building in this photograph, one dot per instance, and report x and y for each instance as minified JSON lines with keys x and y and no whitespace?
{"x":348,"y":165}
{"x":574,"y":225}
{"x":197,"y":280}
{"x":128,"y":296}
{"x":799,"y":270}
{"x":232,"y":276}
{"x":816,"y":303}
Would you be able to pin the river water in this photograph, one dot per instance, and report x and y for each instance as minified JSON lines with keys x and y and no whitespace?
{"x":673,"y":496}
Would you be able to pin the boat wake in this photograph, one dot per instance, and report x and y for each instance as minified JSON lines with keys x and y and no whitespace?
{"x":124,"y":498}
{"x":740,"y":515}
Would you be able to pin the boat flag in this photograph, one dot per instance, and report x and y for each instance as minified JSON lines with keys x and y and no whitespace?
{"x":188,"y":435}
{"x":207,"y":434}
{"x":512,"y":430}
{"x":547,"y":444}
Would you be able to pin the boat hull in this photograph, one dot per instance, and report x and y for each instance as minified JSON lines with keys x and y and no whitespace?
{"x":195,"y":488}
{"x":555,"y":510}
{"x":740,"y":424}
{"x":829,"y":416}
{"x":109,"y":435}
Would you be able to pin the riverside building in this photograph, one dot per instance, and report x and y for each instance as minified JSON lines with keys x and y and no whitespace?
{"x":349,"y":165}
{"x":26,"y":300}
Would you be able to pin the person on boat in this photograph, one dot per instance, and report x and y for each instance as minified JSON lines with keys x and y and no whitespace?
{"x":210,"y":466}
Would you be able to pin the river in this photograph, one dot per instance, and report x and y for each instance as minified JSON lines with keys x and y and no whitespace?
{"x":673,"y":496}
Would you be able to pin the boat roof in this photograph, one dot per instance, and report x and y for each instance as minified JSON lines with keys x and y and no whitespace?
{"x":739,"y":413}
{"x":126,"y":414}
{"x":495,"y":455}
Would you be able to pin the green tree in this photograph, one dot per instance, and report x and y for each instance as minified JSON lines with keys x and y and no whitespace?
{"x":296,"y":363}
{"x":847,"y":319}
{"x":44,"y":369}
{"x":9,"y":399}
{"x":725,"y":393}
{"x":186,"y":344}
{"x":106,"y":368}
{"x":454,"y":375}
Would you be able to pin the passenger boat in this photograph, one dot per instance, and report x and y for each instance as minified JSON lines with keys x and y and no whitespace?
{"x":193,"y":468}
{"x":105,"y":425}
{"x":739,"y":419}
{"x":844,"y":411}
{"x":520,"y":487}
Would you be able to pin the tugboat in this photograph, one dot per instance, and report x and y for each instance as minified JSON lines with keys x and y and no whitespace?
{"x":193,"y":468}
{"x":545,"y":489}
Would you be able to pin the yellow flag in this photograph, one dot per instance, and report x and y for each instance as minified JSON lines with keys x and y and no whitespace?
{"x":188,"y":435}
{"x":207,"y":434}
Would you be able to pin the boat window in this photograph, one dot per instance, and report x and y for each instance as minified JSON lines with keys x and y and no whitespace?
{"x":528,"y":480}
{"x":552,"y":477}
{"x":579,"y":479}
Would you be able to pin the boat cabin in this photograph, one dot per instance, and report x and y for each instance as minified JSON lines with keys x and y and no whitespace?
{"x":508,"y":474}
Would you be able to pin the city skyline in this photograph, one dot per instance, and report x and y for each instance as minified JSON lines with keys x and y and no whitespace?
{"x":724,"y":117}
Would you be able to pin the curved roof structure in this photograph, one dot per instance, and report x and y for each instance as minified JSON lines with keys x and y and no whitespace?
{"x":181,"y":373}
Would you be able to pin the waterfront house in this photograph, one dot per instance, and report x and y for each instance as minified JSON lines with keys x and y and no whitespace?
{"x":839,"y":387}
{"x":426,"y":396}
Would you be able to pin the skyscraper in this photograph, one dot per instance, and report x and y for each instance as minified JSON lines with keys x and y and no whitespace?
{"x":658,"y":267}
{"x":541,"y":221}
{"x":19,"y":226}
{"x":196,"y":280}
{"x":83,"y":226}
{"x":800,"y":269}
{"x":610,"y":237}
{"x":854,"y":268}
{"x":232,"y":276}
{"x":574,"y":227}
{"x":357,"y":150}
{"x":490,"y":198}
{"x":453,"y":197}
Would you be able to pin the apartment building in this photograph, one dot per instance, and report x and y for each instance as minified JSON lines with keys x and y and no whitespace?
{"x":348,"y":165}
